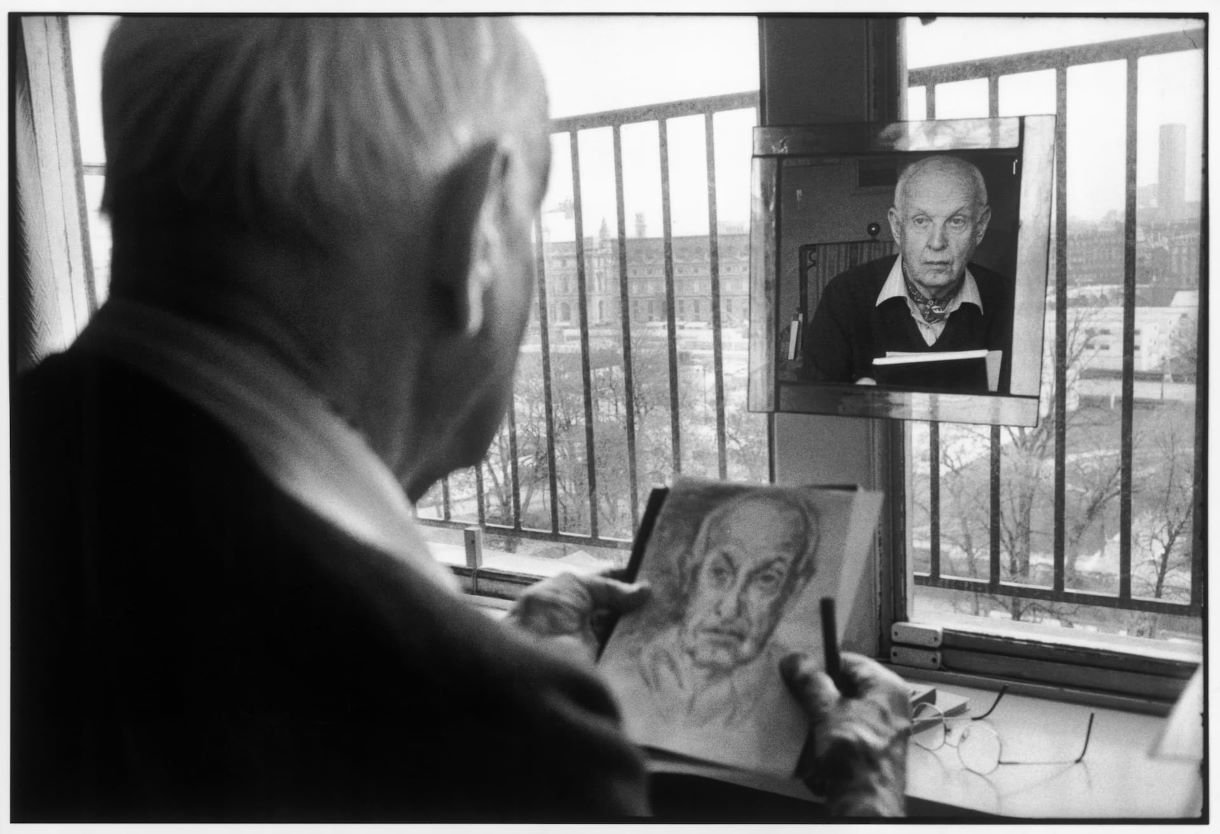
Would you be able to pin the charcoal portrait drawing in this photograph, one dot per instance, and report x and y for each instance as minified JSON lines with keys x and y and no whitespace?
{"x":698,"y":672}
{"x":751,"y":555}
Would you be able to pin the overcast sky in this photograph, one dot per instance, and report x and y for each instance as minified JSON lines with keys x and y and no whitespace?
{"x":595,"y":63}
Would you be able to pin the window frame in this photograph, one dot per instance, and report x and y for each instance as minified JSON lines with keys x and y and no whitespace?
{"x":50,"y":184}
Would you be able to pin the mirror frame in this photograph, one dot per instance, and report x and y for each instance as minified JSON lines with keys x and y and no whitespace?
{"x":1032,"y":138}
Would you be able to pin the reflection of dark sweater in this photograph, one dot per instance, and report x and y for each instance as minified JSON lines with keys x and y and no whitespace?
{"x":849,"y":329}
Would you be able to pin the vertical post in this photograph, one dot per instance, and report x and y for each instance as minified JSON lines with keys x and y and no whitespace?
{"x":474,"y":554}
{"x":548,"y":401}
{"x":670,"y":318}
{"x":513,"y":466}
{"x":582,"y":303}
{"x":480,"y":501}
{"x":934,"y":500}
{"x":624,"y":297}
{"x":993,"y":536}
{"x":1129,"y":301}
{"x":1198,"y":558}
{"x":713,"y":237}
{"x":1059,"y":406}
{"x":860,"y":78}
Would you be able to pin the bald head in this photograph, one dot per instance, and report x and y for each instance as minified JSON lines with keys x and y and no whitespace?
{"x":941,"y":169}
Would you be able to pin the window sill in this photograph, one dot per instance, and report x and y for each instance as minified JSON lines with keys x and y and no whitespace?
{"x":1034,"y":721}
{"x":1119,"y":778}
{"x":1078,"y":638}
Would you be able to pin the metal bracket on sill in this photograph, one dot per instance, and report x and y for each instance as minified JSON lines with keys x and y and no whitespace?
{"x":909,"y":634}
{"x":916,"y":657}
{"x":474,"y":555}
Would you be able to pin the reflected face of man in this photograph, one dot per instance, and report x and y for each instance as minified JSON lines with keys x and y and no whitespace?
{"x":938,"y":222}
{"x":742,"y":582}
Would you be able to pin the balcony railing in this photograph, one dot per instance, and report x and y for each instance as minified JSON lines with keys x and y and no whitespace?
{"x":1065,"y":377}
{"x":1004,"y":570}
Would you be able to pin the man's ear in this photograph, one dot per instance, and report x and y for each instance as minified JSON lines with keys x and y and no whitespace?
{"x":467,"y":234}
{"x":895,"y":225}
{"x":981,"y":226}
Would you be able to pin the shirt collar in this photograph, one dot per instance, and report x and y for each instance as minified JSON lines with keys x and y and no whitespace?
{"x":894,"y":287}
{"x":294,"y":436}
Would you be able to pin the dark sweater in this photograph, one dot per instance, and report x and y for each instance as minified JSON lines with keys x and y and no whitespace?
{"x":189,"y":643}
{"x":849,"y":329}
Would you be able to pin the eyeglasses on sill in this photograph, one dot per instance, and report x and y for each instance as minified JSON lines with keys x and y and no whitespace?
{"x":979,"y":747}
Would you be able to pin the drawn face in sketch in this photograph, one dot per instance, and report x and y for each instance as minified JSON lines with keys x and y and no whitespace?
{"x":755,"y":555}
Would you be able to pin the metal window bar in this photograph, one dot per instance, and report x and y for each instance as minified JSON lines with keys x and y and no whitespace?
{"x":934,"y":500}
{"x":1199,"y":508}
{"x":480,"y":498}
{"x":1061,"y":320}
{"x":582,"y":304}
{"x":713,"y":241}
{"x":625,"y":320}
{"x":671,"y":321}
{"x":993,"y":532}
{"x":548,"y":401}
{"x":1129,"y":50}
{"x":514,"y":471}
{"x":1128,"y":383}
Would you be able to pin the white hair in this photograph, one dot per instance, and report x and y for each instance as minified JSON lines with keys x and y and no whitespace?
{"x":300,"y":128}
{"x":942,"y":164}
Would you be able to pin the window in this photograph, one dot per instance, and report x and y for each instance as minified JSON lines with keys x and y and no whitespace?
{"x":1083,"y":530}
{"x":1078,"y":539}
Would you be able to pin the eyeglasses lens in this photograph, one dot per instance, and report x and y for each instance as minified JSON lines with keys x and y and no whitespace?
{"x":979,"y":748}
{"x":927,"y":726}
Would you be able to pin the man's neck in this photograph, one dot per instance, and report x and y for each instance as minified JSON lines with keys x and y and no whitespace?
{"x":226,"y":309}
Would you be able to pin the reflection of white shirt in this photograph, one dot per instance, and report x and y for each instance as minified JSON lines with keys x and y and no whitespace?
{"x":895,"y":287}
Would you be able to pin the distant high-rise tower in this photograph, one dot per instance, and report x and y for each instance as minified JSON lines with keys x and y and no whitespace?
{"x":1171,"y":172}
{"x":641,"y":225}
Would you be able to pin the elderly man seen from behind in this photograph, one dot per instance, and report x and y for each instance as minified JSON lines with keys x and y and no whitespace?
{"x":928,"y":299}
{"x":223,"y":608}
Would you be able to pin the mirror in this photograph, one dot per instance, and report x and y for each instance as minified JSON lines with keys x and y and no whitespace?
{"x":928,"y":307}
